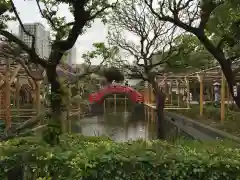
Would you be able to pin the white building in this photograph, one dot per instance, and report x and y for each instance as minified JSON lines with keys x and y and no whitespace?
{"x":47,"y":44}
{"x":42,"y":38}
{"x":72,"y":56}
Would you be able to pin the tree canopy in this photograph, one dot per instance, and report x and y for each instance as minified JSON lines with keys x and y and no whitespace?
{"x":113,"y":74}
{"x":134,"y":18}
{"x":64,"y":35}
{"x":214,"y":23}
{"x":192,"y":56}
{"x":5,"y":13}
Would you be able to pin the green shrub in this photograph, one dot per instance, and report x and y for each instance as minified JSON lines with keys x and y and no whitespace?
{"x":90,"y":158}
{"x":212,"y":112}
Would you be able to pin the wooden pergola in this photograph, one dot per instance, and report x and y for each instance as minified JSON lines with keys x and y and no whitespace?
{"x":12,"y":81}
{"x":183,"y":81}
{"x":169,"y":84}
{"x":212,"y":75}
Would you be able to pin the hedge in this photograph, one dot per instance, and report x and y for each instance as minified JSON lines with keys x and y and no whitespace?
{"x":90,"y":158}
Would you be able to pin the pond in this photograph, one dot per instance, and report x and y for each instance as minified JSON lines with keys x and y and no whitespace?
{"x":119,"y":126}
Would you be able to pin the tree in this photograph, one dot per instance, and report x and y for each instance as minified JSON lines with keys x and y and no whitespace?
{"x":5,"y":13}
{"x":192,"y":56}
{"x":65,"y":57}
{"x":218,"y":19}
{"x":111,"y":61}
{"x":152,"y":36}
{"x":65,"y":35}
{"x":107,"y":56}
{"x":113,"y":74}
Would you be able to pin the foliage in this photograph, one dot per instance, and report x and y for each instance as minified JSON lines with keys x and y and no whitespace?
{"x":224,"y":22}
{"x":110,"y":62}
{"x":148,"y":36}
{"x":5,"y":13}
{"x":214,"y":23}
{"x":112,"y":74}
{"x":102,"y":51}
{"x":223,"y":18}
{"x":65,"y":58}
{"x":191,"y":56}
{"x":96,"y":158}
{"x":64,"y":36}
{"x":109,"y":56}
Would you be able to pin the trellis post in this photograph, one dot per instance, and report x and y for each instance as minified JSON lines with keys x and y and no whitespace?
{"x":188,"y":92}
{"x":7,"y":96}
{"x":200,"y":76}
{"x":17,"y":94}
{"x":223,"y":83}
{"x":178,"y":93}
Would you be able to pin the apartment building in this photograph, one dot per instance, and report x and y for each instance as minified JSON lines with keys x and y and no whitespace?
{"x":42,"y":38}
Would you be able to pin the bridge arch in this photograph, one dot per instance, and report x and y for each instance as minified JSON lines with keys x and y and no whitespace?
{"x":99,"y":96}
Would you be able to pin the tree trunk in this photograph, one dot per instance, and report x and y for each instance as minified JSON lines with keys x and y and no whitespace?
{"x":224,"y":63}
{"x":160,"y":104}
{"x":161,"y":125}
{"x":53,"y":130}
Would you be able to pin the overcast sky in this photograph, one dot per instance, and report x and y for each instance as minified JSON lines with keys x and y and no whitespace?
{"x":29,"y":13}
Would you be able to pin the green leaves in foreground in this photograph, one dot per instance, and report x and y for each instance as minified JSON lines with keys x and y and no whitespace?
{"x":92,"y":158}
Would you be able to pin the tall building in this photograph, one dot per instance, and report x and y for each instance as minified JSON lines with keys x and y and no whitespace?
{"x":47,"y":44}
{"x":42,"y":38}
{"x":72,"y":56}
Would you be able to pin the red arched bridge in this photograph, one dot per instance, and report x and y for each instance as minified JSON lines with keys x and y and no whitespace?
{"x":99,"y":96}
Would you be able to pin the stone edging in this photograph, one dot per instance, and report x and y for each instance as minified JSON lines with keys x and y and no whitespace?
{"x":217,"y":134}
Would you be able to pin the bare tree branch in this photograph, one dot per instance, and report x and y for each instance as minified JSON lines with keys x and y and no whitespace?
{"x":154,"y":36}
{"x":162,"y":14}
{"x":81,"y":17}
{"x":176,"y":11}
{"x":27,"y":69}
{"x":102,"y":10}
{"x":11,"y":52}
{"x":22,"y":26}
{"x":87,"y":72}
{"x":47,"y":16}
{"x":33,"y":57}
{"x":32,"y":54}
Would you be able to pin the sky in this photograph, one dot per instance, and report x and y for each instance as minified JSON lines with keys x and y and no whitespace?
{"x":29,"y":13}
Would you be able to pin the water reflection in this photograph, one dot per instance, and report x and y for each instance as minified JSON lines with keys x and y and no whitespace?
{"x":120,"y":126}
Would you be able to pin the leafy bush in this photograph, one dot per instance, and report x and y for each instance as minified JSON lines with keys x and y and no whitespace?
{"x":212,"y":112}
{"x":90,"y":158}
{"x":112,"y":74}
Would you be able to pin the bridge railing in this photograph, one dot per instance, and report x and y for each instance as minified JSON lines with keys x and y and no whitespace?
{"x":116,"y":89}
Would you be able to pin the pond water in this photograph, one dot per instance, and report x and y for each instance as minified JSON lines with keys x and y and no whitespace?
{"x":119,"y":125}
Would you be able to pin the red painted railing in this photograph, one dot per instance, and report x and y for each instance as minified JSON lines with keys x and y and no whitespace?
{"x":99,"y":96}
